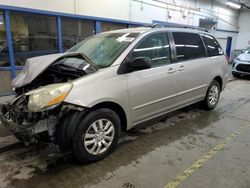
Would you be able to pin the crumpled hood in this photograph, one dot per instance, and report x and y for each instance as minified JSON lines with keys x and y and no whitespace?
{"x":244,"y":57}
{"x":35,"y":66}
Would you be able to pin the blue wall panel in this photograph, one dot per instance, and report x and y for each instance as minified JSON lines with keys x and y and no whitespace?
{"x":59,"y":33}
{"x":98,"y":28}
{"x":10,"y":46}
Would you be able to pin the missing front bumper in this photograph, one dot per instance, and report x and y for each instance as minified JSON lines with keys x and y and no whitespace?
{"x":29,"y":132}
{"x":34,"y":127}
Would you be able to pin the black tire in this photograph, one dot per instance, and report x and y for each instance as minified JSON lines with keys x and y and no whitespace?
{"x":236,"y":75}
{"x":207,"y":105}
{"x":66,"y":129}
{"x":79,"y":150}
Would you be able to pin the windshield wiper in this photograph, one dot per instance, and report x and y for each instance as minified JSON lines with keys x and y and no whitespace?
{"x":89,"y":61}
{"x":62,"y":67}
{"x":85,"y":57}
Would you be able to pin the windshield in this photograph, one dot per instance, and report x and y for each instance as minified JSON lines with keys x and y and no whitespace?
{"x":104,"y":49}
{"x":248,"y":51}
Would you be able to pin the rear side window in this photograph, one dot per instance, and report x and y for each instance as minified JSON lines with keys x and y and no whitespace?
{"x":188,"y":46}
{"x":156,"y":47}
{"x":213,"y":47}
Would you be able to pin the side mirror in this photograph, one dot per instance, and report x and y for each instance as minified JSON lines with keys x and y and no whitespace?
{"x":140,"y":63}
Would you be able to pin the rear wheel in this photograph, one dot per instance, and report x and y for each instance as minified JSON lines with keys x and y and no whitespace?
{"x":212,"y":97}
{"x":97,"y":135}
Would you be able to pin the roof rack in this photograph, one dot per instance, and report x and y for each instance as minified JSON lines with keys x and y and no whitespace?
{"x":156,"y":25}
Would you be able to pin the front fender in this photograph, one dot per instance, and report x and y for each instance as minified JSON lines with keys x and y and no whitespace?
{"x":104,"y":86}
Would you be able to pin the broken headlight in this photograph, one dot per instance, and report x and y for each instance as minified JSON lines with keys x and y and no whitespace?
{"x":47,"y":96}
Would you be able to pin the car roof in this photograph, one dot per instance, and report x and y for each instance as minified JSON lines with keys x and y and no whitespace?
{"x":150,"y":30}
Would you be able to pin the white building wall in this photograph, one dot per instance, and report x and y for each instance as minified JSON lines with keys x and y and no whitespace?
{"x":152,"y":10}
{"x":146,"y":11}
{"x":116,"y":9}
{"x":66,"y":6}
{"x":134,"y":10}
{"x":227,"y":18}
{"x":243,"y":40}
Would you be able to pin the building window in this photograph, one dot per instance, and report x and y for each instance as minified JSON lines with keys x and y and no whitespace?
{"x":32,"y":35}
{"x":5,"y":76}
{"x":134,"y":26}
{"x":75,"y":30}
{"x":108,"y":26}
{"x":4,"y":51}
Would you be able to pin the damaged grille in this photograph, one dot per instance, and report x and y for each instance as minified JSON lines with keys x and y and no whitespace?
{"x":18,"y":112}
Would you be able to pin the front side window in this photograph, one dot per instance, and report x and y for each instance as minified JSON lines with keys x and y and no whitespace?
{"x":156,"y":47}
{"x":104,"y":49}
{"x":213,"y":47}
{"x":188,"y":46}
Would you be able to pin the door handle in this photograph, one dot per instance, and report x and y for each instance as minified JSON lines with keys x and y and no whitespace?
{"x":171,"y":70}
{"x":181,"y":68}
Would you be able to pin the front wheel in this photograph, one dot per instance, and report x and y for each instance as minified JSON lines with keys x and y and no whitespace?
{"x":212,"y":97}
{"x":97,"y":135}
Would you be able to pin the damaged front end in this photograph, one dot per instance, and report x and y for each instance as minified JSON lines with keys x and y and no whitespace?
{"x":33,"y":116}
{"x":29,"y":127}
{"x":33,"y":127}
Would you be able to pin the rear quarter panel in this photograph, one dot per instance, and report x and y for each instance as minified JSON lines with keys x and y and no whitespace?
{"x":220,"y":67}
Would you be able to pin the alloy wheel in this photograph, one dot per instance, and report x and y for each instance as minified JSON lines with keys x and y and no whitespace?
{"x":213,"y":95}
{"x":99,"y":136}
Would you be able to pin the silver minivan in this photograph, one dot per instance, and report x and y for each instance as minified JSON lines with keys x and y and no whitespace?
{"x":83,"y":99}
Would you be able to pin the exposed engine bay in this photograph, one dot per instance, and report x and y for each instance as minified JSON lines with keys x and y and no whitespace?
{"x":61,"y":71}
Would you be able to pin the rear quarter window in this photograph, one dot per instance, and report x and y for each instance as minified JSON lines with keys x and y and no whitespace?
{"x":188,"y":46}
{"x":212,"y":45}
